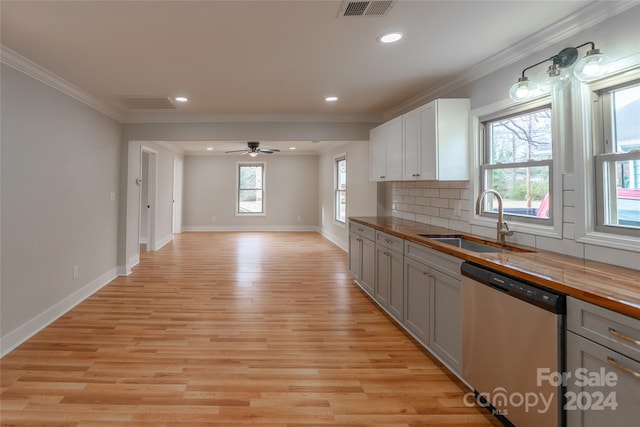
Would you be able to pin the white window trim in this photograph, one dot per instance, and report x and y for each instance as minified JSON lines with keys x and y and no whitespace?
{"x":504,"y":108}
{"x":335,"y":186}
{"x":264,"y":191}
{"x":584,"y":129}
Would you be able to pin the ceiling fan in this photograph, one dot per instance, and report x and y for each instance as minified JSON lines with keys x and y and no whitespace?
{"x":253,"y":149}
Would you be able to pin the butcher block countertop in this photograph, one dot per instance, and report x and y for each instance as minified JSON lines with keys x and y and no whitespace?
{"x":609,"y":286}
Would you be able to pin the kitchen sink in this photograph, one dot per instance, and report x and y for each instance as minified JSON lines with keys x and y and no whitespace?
{"x":472,"y":245}
{"x":469,"y":245}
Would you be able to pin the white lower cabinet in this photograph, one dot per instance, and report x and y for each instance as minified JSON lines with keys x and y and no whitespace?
{"x":418,"y":286}
{"x":446,"y":314}
{"x":603,"y":367}
{"x":389,"y":288}
{"x":362,"y":256}
{"x":433,"y":289}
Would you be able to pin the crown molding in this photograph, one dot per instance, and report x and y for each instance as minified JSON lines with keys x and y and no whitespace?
{"x":35,"y":71}
{"x":253,"y":118}
{"x":585,"y":18}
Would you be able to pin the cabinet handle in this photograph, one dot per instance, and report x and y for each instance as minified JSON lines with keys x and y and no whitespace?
{"x":623,"y":337}
{"x":624,"y":369}
{"x":361,"y":229}
{"x":389,"y":241}
{"x":382,"y":176}
{"x":425,"y":273}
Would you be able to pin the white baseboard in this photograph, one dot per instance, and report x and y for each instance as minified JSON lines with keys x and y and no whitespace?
{"x":126,"y":269}
{"x":22,"y":333}
{"x":338,"y":242}
{"x":163,"y":241}
{"x":250,"y":228}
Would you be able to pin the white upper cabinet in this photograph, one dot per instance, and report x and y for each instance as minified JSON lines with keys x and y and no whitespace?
{"x":386,"y":151}
{"x":436,"y":141}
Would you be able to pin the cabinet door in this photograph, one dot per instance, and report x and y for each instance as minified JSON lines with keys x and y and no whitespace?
{"x":417,"y":284}
{"x":355,"y":255}
{"x":367,"y":278}
{"x":592,"y":405}
{"x":383,"y":272}
{"x":411,"y":146}
{"x":446,"y":319}
{"x":393,"y":132}
{"x":429,"y":142}
{"x":396,"y":285}
{"x":378,"y":154}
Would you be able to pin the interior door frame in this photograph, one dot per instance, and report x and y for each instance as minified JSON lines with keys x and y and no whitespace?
{"x":178,"y":176}
{"x":152,"y":189}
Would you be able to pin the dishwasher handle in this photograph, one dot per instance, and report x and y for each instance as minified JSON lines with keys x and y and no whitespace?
{"x":534,"y":294}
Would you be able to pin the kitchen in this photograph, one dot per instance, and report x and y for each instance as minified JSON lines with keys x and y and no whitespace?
{"x":616,"y":37}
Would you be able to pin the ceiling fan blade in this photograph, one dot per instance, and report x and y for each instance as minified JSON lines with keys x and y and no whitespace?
{"x":268,"y":150}
{"x":237,"y":151}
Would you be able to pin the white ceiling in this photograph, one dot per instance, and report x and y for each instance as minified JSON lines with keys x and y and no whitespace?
{"x":265,"y":57}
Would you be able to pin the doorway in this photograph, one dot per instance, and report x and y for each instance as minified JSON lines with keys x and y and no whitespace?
{"x":177,"y":195}
{"x":147,"y":217}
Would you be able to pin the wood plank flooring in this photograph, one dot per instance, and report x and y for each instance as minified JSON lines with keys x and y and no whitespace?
{"x":229,"y":329}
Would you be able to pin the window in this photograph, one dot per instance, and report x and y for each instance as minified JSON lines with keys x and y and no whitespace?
{"x":341,"y":189}
{"x":617,"y":160}
{"x":517,"y":162}
{"x":250,"y":189}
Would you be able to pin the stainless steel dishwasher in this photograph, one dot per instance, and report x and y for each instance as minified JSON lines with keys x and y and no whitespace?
{"x":513,"y":346}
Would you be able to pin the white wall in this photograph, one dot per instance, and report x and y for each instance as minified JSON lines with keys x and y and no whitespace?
{"x":361,"y":193}
{"x":291,"y":193}
{"x":60,"y":163}
{"x":434,"y":202}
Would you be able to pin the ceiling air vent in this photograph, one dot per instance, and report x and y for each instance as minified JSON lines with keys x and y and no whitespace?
{"x":365,"y":8}
{"x":147,"y":102}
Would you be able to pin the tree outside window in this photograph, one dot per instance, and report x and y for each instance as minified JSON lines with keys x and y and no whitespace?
{"x":518,"y":163}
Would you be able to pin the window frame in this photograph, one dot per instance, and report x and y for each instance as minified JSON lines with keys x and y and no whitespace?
{"x":239,"y":165}
{"x":586,"y":127}
{"x":336,"y":191}
{"x":603,"y":154}
{"x":486,"y":165}
{"x":505,"y":108}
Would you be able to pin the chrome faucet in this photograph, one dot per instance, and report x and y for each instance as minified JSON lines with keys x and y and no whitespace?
{"x":502,"y":228}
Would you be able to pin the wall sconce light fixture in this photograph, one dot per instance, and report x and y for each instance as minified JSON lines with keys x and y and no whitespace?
{"x":591,"y":67}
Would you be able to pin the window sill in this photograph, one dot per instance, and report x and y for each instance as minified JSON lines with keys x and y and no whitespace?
{"x":554,"y":232}
{"x":250,"y":214}
{"x":598,"y":238}
{"x":340,"y":224}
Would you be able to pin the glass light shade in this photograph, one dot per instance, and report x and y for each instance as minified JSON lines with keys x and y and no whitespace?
{"x":592,"y":66}
{"x":522,"y":89}
{"x":557,"y":79}
{"x":253,"y":153}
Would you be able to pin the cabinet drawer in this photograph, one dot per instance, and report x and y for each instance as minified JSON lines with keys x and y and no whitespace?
{"x":614,"y":330}
{"x":442,"y":262}
{"x":391,"y":242}
{"x":362,"y":230}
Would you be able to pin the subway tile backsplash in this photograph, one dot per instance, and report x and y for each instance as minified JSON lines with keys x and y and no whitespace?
{"x":447,"y":204}
{"x":439,"y":203}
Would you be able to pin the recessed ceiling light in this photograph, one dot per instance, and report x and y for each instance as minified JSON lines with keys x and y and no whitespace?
{"x":292,"y":148}
{"x":390,"y":37}
{"x":331,"y":98}
{"x":209,"y":148}
{"x":181,"y":99}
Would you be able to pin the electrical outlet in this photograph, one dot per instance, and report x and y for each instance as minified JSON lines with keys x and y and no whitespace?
{"x":75,"y":271}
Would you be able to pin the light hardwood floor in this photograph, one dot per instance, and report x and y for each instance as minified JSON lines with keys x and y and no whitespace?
{"x":231,"y":328}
